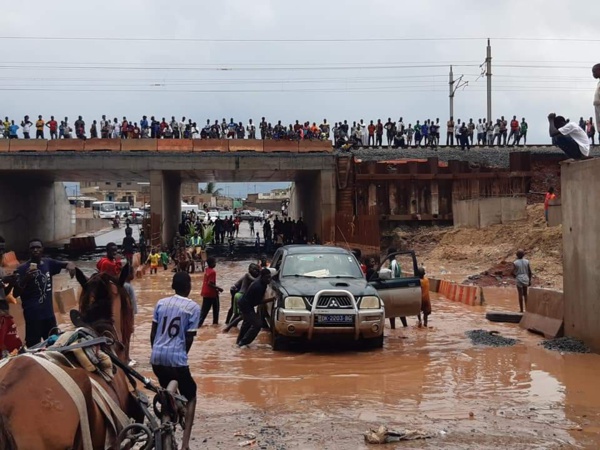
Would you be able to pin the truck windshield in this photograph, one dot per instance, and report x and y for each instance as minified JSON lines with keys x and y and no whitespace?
{"x":327,"y":265}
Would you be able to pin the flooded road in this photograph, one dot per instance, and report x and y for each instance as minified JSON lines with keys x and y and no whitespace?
{"x":430,"y":379}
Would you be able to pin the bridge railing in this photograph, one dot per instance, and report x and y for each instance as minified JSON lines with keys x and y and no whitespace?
{"x":163,"y":145}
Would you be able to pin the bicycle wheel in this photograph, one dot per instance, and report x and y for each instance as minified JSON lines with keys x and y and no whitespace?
{"x":135,"y":434}
{"x":169,"y":442}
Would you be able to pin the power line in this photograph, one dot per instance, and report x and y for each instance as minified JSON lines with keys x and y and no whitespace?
{"x":233,"y":69}
{"x":332,"y":40}
{"x":382,"y":89}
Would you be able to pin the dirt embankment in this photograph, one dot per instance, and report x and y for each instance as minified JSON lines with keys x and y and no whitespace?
{"x":485,"y":256}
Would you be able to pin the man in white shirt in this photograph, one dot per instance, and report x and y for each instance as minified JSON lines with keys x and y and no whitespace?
{"x":116,"y":129}
{"x":596,"y":74}
{"x":181,"y":126}
{"x":251,"y":129}
{"x":480,"y":133}
{"x":569,"y":137}
{"x":103,"y":122}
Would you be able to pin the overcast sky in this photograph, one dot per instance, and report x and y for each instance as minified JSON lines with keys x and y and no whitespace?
{"x":352,"y":78}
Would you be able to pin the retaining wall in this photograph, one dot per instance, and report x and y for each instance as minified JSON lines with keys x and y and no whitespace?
{"x":580,"y":185}
{"x":483,"y":212}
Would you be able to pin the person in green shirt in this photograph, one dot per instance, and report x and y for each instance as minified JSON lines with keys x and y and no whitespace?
{"x":164,"y":259}
{"x":523,"y":132}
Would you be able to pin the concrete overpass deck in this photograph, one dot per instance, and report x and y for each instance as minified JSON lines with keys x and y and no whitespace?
{"x":137,"y":166}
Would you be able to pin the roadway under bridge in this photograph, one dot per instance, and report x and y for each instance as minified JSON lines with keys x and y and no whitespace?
{"x":33,"y":202}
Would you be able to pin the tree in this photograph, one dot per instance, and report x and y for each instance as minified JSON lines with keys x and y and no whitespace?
{"x":211,"y":188}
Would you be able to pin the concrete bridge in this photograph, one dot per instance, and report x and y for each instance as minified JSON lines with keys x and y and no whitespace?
{"x":34,"y":204}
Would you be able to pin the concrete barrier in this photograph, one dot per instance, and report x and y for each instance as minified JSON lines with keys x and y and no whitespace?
{"x":544,"y":312}
{"x":246,"y":145}
{"x":4,"y":145}
{"x":110,"y":145}
{"x":554,"y":213}
{"x":28,"y":145}
{"x":461,"y":293}
{"x":139,"y":145}
{"x":175,"y":145}
{"x":66,"y":145}
{"x":271,"y":146}
{"x":315,"y":146}
{"x":89,"y":225}
{"x":10,"y":261}
{"x":210,"y":145}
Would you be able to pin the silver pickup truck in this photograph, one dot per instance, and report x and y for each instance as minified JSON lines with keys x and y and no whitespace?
{"x":321,"y":293}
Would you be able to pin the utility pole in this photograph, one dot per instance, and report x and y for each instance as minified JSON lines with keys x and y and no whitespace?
{"x":451,"y":92}
{"x":488,"y":74}
{"x":453,"y":85}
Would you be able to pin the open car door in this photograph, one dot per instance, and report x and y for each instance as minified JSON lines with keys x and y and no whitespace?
{"x":400,"y":292}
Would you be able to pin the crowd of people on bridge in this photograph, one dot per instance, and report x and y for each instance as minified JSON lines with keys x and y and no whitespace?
{"x":398,"y":134}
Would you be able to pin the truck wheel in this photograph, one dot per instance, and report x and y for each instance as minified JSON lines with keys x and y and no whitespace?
{"x":278,"y":342}
{"x":504,"y":317}
{"x":374,"y":342}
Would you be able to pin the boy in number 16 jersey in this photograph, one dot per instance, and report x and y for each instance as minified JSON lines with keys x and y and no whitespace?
{"x":174,"y":327}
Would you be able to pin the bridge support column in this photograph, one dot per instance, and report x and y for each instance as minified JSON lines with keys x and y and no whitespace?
{"x":34,"y":208}
{"x":327,"y":206}
{"x":165,"y":204}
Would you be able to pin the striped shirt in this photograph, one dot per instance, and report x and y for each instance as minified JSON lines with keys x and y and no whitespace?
{"x":174,"y":316}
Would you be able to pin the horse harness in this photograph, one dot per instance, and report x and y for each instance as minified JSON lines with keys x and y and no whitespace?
{"x":85,"y":348}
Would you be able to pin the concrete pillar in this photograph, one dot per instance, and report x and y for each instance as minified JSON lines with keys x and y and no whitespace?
{"x":327,"y":204}
{"x":165,"y":204}
{"x":171,"y":205}
{"x":33,"y":208}
{"x":393,"y":198}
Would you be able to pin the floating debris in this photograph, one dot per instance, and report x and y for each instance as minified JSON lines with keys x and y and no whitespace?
{"x":385,"y":436}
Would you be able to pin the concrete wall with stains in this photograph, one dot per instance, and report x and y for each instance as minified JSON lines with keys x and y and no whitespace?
{"x":581,"y":250}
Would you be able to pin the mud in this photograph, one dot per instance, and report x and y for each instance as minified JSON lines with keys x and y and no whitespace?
{"x":431,"y":379}
{"x":434,"y":379}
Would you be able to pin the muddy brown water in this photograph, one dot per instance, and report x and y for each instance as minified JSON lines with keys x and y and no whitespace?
{"x":429,"y":379}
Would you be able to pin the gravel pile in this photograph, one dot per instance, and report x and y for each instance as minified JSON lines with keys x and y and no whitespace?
{"x":490,"y":157}
{"x":565,"y":344}
{"x":489,"y":338}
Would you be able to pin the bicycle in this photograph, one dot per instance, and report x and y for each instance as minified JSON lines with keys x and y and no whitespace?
{"x":167,"y":410}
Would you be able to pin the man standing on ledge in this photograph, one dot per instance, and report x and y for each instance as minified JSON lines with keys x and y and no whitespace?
{"x":569,"y":137}
{"x":596,"y":74}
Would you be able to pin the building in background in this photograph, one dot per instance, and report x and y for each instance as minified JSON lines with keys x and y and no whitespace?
{"x":137,"y":194}
{"x":270,"y":201}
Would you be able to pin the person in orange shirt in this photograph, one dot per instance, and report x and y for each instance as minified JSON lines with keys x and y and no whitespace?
{"x":425,"y":300}
{"x":371,"y":129}
{"x":550,"y":195}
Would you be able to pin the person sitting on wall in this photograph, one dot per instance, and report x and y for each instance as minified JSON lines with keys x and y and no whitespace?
{"x":569,"y":137}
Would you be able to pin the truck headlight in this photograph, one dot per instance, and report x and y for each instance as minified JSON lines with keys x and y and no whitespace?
{"x":370,"y":302}
{"x":294,"y":303}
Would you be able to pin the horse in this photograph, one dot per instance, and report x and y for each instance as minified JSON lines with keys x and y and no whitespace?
{"x":38,"y":412}
{"x":185,"y":261}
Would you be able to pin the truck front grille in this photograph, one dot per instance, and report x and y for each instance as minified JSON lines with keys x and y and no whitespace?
{"x":334,"y":302}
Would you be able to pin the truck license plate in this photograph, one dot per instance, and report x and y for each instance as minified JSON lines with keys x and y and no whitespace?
{"x":334,"y":318}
